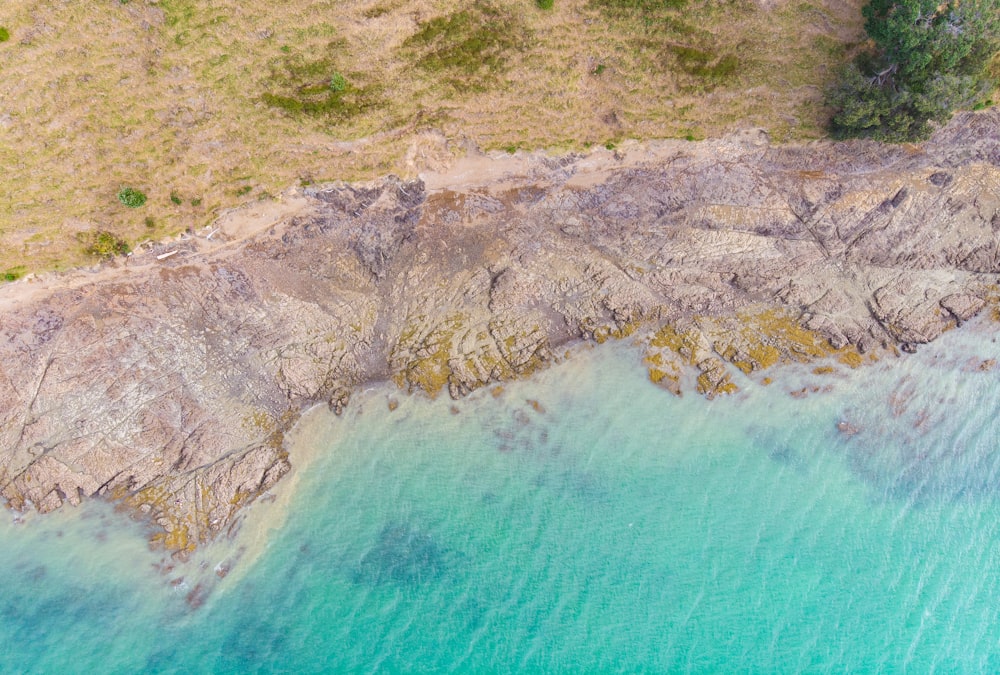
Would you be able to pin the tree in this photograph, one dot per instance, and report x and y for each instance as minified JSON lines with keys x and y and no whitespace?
{"x":926,"y":59}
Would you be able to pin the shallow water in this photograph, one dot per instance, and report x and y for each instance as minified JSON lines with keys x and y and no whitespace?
{"x":585,"y":521}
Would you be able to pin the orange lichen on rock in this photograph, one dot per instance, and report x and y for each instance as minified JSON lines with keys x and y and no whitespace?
{"x":603,"y":333}
{"x":685,"y":344}
{"x":461,"y":354}
{"x":715,"y":379}
{"x":429,"y":370}
{"x":850,"y":356}
{"x":993,"y":300}
{"x":751,"y":341}
{"x":159,"y":502}
{"x":774,"y":336}
{"x":666,"y":364}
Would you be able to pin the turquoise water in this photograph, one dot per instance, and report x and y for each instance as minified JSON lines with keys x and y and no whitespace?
{"x":584,"y":521}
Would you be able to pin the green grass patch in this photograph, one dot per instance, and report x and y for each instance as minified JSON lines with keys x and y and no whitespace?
{"x":663,"y":34}
{"x":468,"y":48}
{"x":638,"y":8}
{"x":377,"y":11}
{"x":545,"y":4}
{"x":703,"y":63}
{"x":4,"y":34}
{"x":314,"y":87}
{"x":176,"y":199}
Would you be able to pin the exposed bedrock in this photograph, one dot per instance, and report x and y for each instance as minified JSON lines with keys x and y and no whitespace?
{"x":168,"y":384}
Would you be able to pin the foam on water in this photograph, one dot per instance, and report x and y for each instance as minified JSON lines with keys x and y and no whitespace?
{"x":584,"y":521}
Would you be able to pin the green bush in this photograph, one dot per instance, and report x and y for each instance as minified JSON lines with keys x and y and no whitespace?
{"x":13,"y":274}
{"x":105,"y":245}
{"x":545,"y":4}
{"x":4,"y":34}
{"x":338,"y":83}
{"x":131,"y":197}
{"x":929,"y":59}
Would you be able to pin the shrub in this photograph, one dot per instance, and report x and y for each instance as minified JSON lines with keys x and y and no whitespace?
{"x":176,"y":198}
{"x":338,"y":83}
{"x":4,"y":34}
{"x":13,"y":274}
{"x":105,"y":245}
{"x":131,"y":197}
{"x":929,"y":58}
{"x":545,"y":4}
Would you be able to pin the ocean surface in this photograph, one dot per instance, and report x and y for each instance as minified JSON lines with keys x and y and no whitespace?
{"x":584,"y":521}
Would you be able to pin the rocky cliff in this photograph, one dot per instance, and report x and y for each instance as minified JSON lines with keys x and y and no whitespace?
{"x":167,"y":383}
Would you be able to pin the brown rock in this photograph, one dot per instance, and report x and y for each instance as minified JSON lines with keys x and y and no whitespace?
{"x":168,"y":385}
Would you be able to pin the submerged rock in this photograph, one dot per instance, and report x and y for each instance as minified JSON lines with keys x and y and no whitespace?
{"x":402,"y":555}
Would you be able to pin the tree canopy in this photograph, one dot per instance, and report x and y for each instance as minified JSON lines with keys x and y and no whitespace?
{"x":925,"y":59}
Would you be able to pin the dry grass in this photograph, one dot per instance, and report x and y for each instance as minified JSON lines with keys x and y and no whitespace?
{"x":206,"y":105}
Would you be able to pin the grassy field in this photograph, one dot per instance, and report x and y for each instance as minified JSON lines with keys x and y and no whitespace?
{"x":204,"y":105}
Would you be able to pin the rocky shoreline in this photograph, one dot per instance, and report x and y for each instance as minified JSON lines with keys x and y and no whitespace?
{"x":167,"y":383}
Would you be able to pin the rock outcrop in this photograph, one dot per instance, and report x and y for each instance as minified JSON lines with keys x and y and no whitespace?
{"x":167,"y":384}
